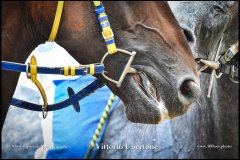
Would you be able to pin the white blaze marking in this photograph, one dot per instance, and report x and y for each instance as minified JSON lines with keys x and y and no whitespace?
{"x":163,"y":111}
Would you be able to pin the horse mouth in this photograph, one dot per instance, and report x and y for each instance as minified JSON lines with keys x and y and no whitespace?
{"x":152,"y":106}
{"x":146,"y":84}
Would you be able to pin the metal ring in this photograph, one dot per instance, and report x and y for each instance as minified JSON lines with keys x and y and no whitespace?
{"x":126,"y":70}
{"x":233,"y":80}
{"x":232,"y":71}
{"x":232,"y":75}
{"x":217,"y":75}
{"x":27,"y":71}
{"x":43,"y":113}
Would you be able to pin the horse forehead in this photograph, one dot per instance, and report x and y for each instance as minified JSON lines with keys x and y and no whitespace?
{"x":202,"y":16}
{"x":211,"y":13}
{"x":197,"y":9}
{"x":210,"y":18}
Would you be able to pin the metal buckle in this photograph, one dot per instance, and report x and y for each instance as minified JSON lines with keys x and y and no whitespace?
{"x":127,"y":69}
{"x":227,"y":56}
{"x":82,"y":66}
{"x":85,"y":67}
{"x":232,"y":71}
{"x":111,"y":36}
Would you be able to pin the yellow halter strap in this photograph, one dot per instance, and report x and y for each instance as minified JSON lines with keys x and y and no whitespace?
{"x":56,"y":21}
{"x":107,"y":32}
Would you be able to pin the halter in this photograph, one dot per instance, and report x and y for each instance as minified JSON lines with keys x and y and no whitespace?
{"x":108,"y":37}
{"x":219,"y":65}
{"x":98,"y":68}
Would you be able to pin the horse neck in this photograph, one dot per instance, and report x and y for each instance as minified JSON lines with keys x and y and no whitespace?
{"x":23,"y":28}
{"x":28,"y":24}
{"x":216,"y":116}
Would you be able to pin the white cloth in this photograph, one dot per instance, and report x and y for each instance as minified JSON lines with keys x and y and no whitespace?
{"x":49,"y":54}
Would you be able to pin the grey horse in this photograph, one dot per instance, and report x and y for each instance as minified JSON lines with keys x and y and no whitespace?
{"x":210,"y":128}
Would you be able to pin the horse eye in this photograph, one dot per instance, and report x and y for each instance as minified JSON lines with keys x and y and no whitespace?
{"x":218,"y":9}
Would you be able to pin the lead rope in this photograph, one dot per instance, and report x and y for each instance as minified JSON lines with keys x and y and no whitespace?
{"x":213,"y":74}
{"x":100,"y":126}
{"x":108,"y":36}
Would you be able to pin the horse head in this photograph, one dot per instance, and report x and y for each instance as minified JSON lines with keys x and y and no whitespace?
{"x":211,"y":28}
{"x":206,"y":24}
{"x":166,"y":82}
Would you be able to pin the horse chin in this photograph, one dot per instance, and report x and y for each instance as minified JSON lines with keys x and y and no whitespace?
{"x":148,"y":106}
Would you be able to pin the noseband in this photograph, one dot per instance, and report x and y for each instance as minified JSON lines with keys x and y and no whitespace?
{"x":32,"y":69}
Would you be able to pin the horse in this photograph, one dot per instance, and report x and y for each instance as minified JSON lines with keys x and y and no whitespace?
{"x":163,"y":58}
{"x":210,"y":128}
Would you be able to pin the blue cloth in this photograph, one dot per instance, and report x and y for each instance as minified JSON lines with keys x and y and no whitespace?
{"x":73,"y":131}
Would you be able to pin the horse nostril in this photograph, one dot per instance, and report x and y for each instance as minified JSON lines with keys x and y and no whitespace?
{"x":189,"y":92}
